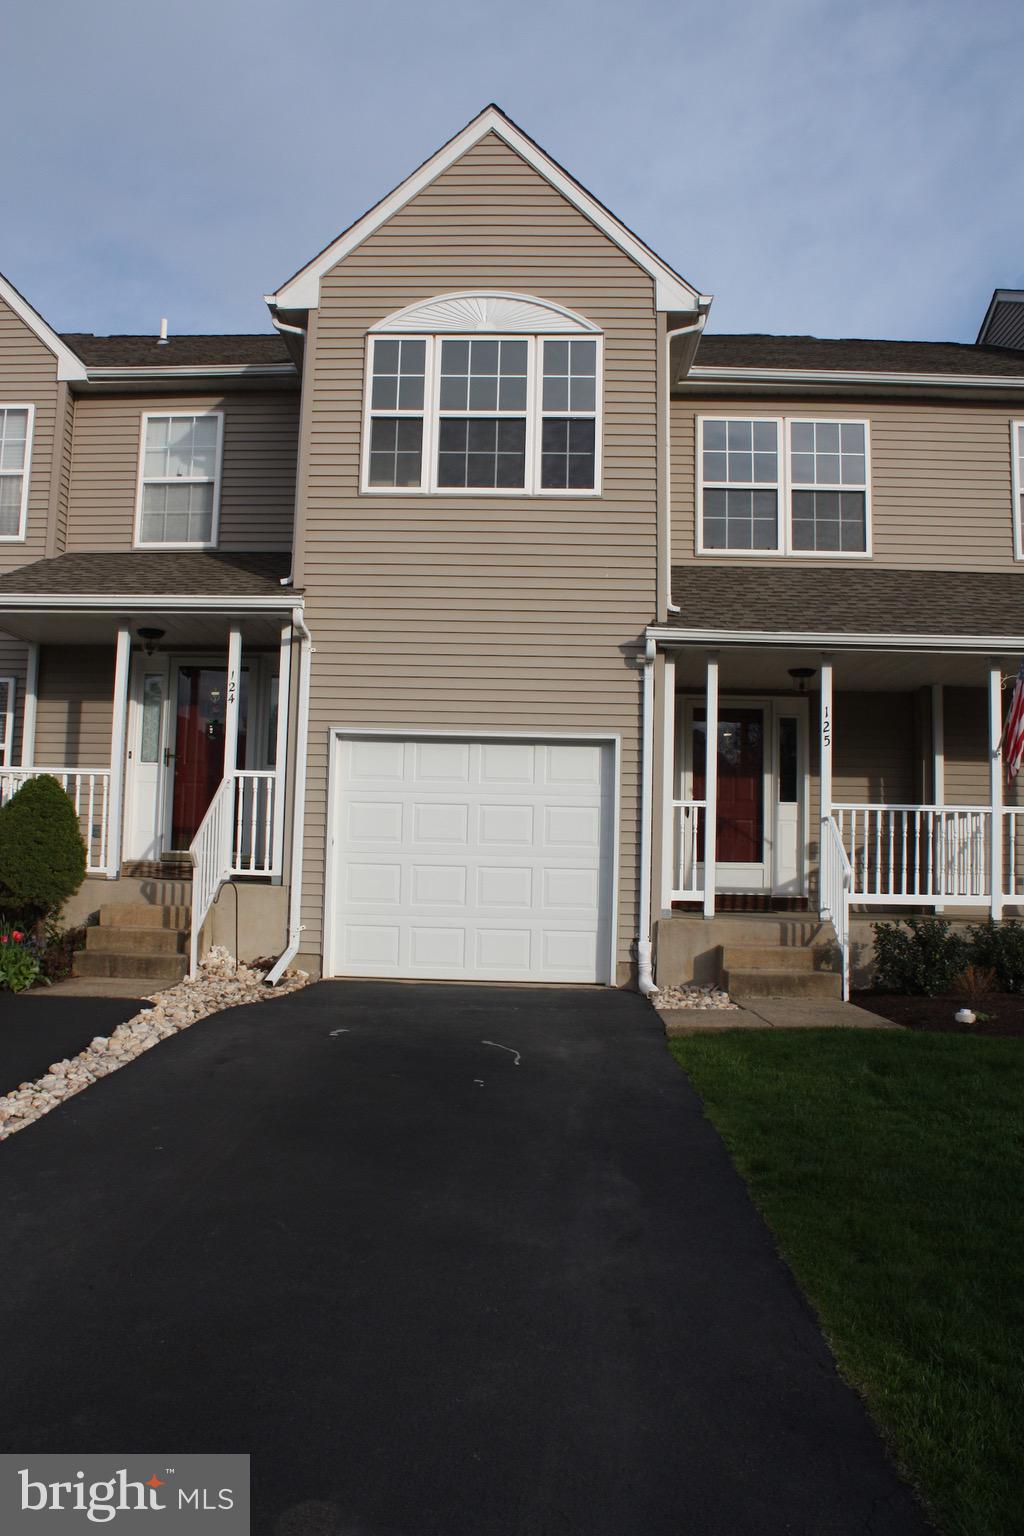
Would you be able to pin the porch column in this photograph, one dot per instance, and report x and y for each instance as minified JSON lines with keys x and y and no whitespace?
{"x":284,"y":678}
{"x":669,"y":873}
{"x":118,"y":727}
{"x":28,"y":719}
{"x":711,"y":784}
{"x":231,"y":703}
{"x":938,"y":759}
{"x":826,"y":737}
{"x":995,"y":779}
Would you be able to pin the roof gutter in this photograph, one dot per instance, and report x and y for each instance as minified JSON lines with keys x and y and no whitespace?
{"x":668,"y":636}
{"x":298,"y":804}
{"x":770,"y":377}
{"x":65,"y":602}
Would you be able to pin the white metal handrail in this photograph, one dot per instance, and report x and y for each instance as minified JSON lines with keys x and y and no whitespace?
{"x":88,"y":789}
{"x":253,"y":845}
{"x":921,"y":855}
{"x":836,"y":881}
{"x":687,"y":858}
{"x":211,"y":854}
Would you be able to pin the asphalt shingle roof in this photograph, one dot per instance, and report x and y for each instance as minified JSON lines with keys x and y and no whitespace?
{"x":857,"y":356}
{"x":852,"y":600}
{"x":180,"y":351}
{"x":151,"y":573}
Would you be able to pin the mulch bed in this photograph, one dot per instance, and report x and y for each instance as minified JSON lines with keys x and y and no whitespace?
{"x":1005,"y":1010}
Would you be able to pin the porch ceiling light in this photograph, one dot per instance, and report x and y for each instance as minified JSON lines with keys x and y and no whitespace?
{"x":802,"y":675}
{"x":149,"y":638}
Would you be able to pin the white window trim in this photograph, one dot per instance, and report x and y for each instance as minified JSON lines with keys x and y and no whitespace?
{"x":211,"y":543}
{"x":10,"y":684}
{"x":784,"y":486}
{"x":22,"y":533}
{"x":431,"y":414}
{"x":1016,"y":449}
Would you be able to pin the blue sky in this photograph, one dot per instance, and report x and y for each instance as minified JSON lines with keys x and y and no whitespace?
{"x":839,"y":167}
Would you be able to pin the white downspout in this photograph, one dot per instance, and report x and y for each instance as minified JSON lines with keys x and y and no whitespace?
{"x":644,"y":948}
{"x":298,"y":801}
{"x":684,"y":330}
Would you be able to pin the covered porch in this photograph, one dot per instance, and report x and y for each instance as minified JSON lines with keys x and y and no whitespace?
{"x":163,"y":712}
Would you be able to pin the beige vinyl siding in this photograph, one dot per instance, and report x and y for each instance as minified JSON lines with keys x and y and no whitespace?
{"x":28,"y":376}
{"x":258,"y":475}
{"x":941,"y":494}
{"x":13,"y":663}
{"x":75,"y":710}
{"x":491,"y":613}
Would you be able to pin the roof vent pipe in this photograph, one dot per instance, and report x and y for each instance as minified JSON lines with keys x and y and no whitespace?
{"x":163,"y":332}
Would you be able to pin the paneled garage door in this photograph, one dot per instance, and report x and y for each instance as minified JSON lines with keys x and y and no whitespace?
{"x":464,"y":859}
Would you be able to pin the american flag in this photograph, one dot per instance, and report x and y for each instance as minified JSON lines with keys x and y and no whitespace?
{"x":1013,"y":730}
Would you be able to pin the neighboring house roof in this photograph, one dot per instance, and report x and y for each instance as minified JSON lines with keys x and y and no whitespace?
{"x":302,"y":291}
{"x":821,"y":354}
{"x":69,"y":365}
{"x":152,"y":573}
{"x":1003,"y":325}
{"x":845,"y":600}
{"x":178,"y":351}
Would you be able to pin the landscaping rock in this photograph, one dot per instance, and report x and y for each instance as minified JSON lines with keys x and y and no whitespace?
{"x":689,"y":995}
{"x":222,"y":982}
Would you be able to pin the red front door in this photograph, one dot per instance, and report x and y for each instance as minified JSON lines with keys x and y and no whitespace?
{"x":740,"y":838}
{"x":199,"y":746}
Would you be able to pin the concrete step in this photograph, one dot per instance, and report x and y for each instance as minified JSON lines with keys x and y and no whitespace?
{"x":139,"y":914}
{"x":781,"y":957}
{"x":91,"y":962}
{"x":135,"y":941}
{"x":779,"y":983}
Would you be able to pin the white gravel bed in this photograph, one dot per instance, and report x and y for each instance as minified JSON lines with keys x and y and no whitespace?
{"x":221,"y":983}
{"x":689,"y":995}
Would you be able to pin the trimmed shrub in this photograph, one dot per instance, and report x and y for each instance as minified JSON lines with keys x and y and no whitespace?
{"x":42,"y":855}
{"x":921,"y":957}
{"x":999,"y":947}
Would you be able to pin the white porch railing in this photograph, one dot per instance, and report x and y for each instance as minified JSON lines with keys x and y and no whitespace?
{"x":235,"y":837}
{"x":920,"y":855}
{"x":88,"y":789}
{"x":836,"y":881}
{"x":687,"y":826}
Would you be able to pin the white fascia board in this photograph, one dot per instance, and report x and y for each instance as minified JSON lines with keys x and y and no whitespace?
{"x":195,"y":371}
{"x":833,"y":641}
{"x":69,"y":364}
{"x":303,"y":290}
{"x":65,"y":602}
{"x":707,"y":375}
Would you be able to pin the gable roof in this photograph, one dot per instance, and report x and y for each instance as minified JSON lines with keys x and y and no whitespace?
{"x":849,"y":355}
{"x":178,"y":351}
{"x":302,"y":291}
{"x":69,"y":365}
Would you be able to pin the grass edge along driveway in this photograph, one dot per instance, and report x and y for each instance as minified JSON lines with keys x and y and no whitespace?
{"x":890,"y":1170}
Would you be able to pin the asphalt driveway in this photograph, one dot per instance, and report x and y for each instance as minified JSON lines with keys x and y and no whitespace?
{"x":431,"y":1287}
{"x":38,"y":1027}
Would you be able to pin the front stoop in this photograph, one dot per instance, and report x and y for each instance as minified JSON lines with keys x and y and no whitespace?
{"x":796,"y":971}
{"x":135,"y":940}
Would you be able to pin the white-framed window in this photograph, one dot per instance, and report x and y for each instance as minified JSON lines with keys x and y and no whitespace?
{"x":483,"y":414}
{"x":8,"y":696}
{"x":1017,"y":470}
{"x":179,"y":479}
{"x":793,"y":485}
{"x":15,"y":462}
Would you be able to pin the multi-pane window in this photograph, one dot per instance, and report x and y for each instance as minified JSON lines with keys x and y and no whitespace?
{"x":811,"y":498}
{"x":483,"y":413}
{"x":15,"y":449}
{"x":1017,"y":450}
{"x":180,"y":480}
{"x":7,"y":697}
{"x":740,"y":469}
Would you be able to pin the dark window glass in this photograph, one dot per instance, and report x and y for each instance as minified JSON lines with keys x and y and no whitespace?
{"x":396,"y":444}
{"x":398,"y":375}
{"x":570,"y":375}
{"x":740,"y":519}
{"x":483,"y":375}
{"x":833,"y":522}
{"x":482,"y":452}
{"x":787,"y":760}
{"x":567,"y":454}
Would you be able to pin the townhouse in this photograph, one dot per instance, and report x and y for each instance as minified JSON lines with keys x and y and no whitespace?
{"x":390,"y":641}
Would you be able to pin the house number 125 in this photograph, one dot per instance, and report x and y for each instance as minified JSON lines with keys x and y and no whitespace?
{"x":826,"y":726}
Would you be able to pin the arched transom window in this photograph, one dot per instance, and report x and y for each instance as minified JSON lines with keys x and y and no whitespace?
{"x":496,"y":393}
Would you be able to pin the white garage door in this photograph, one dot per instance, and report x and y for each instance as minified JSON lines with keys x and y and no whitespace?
{"x":476,"y":860}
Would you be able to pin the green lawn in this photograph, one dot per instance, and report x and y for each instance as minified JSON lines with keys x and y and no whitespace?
{"x":891,"y":1170}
